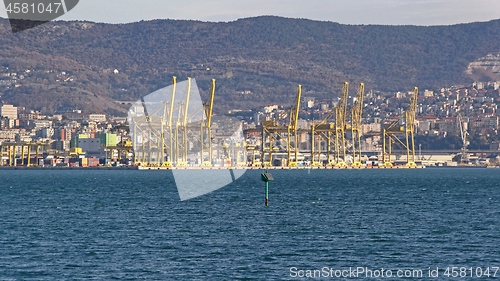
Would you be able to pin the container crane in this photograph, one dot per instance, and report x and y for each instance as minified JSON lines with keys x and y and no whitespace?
{"x":273,"y":131}
{"x":325,"y":129}
{"x":390,"y":134}
{"x":356,"y":114}
{"x":465,"y":143}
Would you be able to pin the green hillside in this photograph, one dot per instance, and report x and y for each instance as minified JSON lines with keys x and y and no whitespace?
{"x":268,"y":56}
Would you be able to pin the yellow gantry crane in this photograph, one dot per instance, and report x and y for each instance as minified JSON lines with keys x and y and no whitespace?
{"x":328,"y":136}
{"x":326,"y":130}
{"x":184,"y":113}
{"x":166,"y":135}
{"x":163,"y":137}
{"x":294,"y":118}
{"x":121,"y":147}
{"x":464,"y":156}
{"x":208,"y":127}
{"x":334,"y":134}
{"x":356,"y":115}
{"x":12,"y":151}
{"x":169,"y":113}
{"x":393,"y":132}
{"x":276,"y":132}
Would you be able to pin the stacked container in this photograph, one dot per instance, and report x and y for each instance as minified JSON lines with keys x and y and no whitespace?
{"x":83,"y":162}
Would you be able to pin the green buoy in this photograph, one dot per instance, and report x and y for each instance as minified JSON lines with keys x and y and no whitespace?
{"x":267,"y":177}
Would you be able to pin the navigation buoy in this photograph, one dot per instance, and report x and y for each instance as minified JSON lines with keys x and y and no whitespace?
{"x":267,"y":177}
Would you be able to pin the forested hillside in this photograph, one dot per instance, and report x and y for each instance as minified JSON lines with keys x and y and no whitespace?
{"x":72,"y":63}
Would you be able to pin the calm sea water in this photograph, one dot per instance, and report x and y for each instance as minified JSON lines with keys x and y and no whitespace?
{"x":131,"y":225}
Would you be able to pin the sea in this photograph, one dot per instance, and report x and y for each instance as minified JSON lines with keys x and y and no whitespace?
{"x":414,"y":224}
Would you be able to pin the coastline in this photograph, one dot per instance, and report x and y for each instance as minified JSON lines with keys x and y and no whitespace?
{"x":202,"y":168}
{"x":237,"y":168}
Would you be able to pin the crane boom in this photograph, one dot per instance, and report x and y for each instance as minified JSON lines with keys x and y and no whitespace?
{"x":210,"y":104}
{"x":357,"y":112}
{"x":463,"y":135}
{"x":297,"y":106}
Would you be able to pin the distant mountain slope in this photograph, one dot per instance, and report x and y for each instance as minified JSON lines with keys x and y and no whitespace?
{"x":267,"y":55}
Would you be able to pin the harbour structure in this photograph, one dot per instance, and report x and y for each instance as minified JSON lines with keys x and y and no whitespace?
{"x":401,"y":133}
{"x":277,"y":136}
{"x":10,"y":149}
{"x":464,"y":156}
{"x":356,"y":117}
{"x":332,"y":131}
{"x":169,"y":130}
{"x":121,"y":148}
{"x":336,"y":137}
{"x":166,"y":124}
{"x":172,"y":127}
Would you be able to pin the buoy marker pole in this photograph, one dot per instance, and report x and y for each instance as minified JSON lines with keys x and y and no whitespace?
{"x":267,"y":193}
{"x":266,"y":177}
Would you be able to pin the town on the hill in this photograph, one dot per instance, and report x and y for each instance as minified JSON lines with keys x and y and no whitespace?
{"x":443,"y":117}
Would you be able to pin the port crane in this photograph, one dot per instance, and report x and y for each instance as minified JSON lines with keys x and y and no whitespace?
{"x":276,"y":132}
{"x":170,"y":130}
{"x":392,"y":134}
{"x":463,"y":135}
{"x":332,"y":129}
{"x":11,"y":150}
{"x":356,"y":115}
{"x":164,"y":135}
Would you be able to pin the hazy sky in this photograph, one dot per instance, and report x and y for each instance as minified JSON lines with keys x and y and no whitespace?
{"x":393,"y":12}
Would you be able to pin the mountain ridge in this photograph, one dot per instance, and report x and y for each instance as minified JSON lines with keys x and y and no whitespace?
{"x":265,"y":55}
